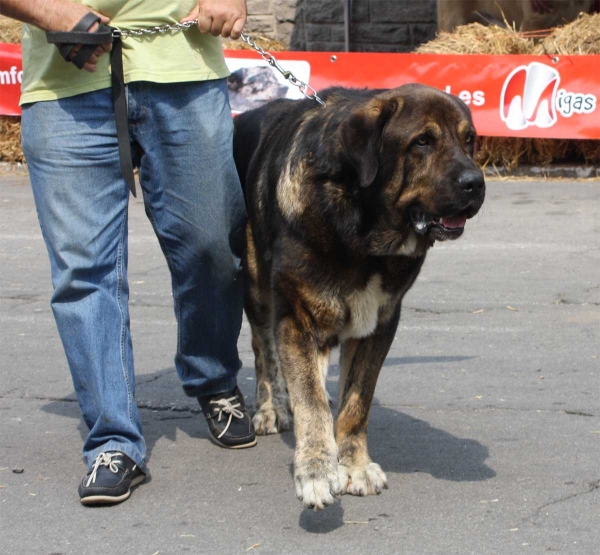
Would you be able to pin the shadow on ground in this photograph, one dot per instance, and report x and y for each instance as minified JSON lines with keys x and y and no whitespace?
{"x":400,"y":443}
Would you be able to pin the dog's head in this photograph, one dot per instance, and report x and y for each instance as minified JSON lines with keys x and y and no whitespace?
{"x":412,"y":148}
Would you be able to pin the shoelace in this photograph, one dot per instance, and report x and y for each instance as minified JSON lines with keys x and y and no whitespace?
{"x":225,"y":405}
{"x":104,"y":459}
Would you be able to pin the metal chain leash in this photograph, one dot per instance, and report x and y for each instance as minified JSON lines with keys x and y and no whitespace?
{"x":124,"y":33}
{"x":303,"y":87}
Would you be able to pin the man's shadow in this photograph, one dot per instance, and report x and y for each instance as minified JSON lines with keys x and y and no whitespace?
{"x":400,"y":443}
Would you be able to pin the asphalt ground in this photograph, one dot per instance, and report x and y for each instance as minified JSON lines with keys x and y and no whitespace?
{"x":486,"y":418}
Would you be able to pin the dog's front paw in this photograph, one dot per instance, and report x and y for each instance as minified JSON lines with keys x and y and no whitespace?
{"x":317,"y":483}
{"x":365,"y":479}
{"x":271,"y":420}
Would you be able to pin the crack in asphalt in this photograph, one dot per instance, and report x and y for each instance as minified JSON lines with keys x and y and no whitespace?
{"x":171,"y":408}
{"x":578,"y":413}
{"x":592,"y":486}
{"x":144,"y":382}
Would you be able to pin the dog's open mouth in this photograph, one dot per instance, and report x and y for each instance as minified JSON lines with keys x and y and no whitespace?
{"x":440,"y":228}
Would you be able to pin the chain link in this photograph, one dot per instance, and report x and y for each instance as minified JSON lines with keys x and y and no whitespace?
{"x":124,"y":33}
{"x":303,"y":87}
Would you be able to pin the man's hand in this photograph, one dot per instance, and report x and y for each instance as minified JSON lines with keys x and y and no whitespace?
{"x":91,"y":64}
{"x":219,"y":17}
{"x":56,"y":15}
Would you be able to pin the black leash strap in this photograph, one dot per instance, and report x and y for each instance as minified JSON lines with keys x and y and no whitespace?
{"x":66,"y":41}
{"x":120,"y":104}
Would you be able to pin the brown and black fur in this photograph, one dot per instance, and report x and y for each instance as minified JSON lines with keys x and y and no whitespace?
{"x":332,"y":248}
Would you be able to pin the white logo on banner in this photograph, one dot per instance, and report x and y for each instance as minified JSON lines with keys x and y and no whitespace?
{"x":531,"y":97}
{"x":528,"y":97}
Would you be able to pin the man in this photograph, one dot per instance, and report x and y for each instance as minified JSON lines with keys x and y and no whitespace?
{"x":178,"y":128}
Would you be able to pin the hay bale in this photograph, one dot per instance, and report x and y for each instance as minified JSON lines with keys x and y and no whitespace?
{"x":266,"y":43}
{"x":511,"y":152}
{"x":10,"y":140}
{"x":479,"y":39}
{"x":10,"y":30}
{"x":581,"y":36}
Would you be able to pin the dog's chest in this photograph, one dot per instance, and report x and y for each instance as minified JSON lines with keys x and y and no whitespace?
{"x":363,"y":306}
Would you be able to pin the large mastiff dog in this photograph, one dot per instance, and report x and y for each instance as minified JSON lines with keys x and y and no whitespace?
{"x":343,"y":203}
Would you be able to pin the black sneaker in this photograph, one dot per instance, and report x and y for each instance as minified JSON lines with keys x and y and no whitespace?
{"x":228,"y":421}
{"x":110,"y":480}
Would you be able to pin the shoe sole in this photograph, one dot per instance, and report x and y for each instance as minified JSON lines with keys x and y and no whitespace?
{"x":111,"y":500}
{"x":243,"y":446}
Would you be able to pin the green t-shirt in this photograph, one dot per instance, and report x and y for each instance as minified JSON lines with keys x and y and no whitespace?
{"x":161,"y":58}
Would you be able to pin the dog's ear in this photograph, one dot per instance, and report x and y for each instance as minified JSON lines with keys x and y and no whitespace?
{"x":361,"y":135}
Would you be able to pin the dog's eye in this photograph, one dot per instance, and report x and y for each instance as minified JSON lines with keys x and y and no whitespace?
{"x":469,"y":138}
{"x":423,"y":140}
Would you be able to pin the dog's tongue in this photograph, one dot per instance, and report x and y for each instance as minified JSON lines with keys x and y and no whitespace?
{"x":452,"y":223}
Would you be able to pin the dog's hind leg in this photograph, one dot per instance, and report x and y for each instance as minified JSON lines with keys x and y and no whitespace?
{"x":360,"y":363}
{"x":272,"y":402}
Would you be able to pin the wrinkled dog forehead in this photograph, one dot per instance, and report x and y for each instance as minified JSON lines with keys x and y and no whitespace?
{"x":431,"y":109}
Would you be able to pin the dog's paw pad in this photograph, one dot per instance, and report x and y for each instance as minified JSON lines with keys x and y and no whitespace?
{"x":271,"y":421}
{"x":366,"y":479}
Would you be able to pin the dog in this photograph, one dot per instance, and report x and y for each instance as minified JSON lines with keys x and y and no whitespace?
{"x":524,"y":15}
{"x":343,"y":202}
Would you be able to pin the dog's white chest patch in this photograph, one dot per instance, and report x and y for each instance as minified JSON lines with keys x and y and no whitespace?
{"x":409,"y":245}
{"x":364,"y":308}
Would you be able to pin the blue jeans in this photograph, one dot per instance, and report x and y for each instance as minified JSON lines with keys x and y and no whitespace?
{"x":181,"y":138}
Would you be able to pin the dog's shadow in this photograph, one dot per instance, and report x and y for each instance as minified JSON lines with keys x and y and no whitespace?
{"x":400,"y":443}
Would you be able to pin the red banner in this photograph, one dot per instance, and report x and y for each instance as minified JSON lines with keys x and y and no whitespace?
{"x":511,"y":96}
{"x":11,"y":75}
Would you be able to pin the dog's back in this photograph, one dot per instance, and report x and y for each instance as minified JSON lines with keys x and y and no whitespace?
{"x":250,"y":127}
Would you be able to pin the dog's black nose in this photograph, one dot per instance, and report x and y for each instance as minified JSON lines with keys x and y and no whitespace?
{"x":472,"y":182}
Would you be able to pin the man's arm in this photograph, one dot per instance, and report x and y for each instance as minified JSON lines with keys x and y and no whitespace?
{"x":55,"y":15}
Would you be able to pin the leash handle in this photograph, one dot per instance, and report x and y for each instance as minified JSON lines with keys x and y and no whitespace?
{"x":80,"y":34}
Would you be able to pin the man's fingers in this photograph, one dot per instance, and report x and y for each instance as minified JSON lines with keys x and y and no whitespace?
{"x":103,"y":18}
{"x":74,"y":51}
{"x":191,"y":16}
{"x":220,"y":17}
{"x":237,"y":29}
{"x":226,"y":31}
{"x":217,"y":26}
{"x":103,"y":49}
{"x":204,"y":24}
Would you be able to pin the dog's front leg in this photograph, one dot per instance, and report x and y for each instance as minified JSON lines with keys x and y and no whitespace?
{"x":315,"y":459}
{"x":361,"y":361}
